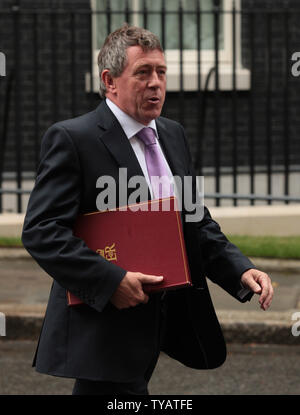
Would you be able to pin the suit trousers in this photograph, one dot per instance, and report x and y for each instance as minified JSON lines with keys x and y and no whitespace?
{"x":137,"y":387}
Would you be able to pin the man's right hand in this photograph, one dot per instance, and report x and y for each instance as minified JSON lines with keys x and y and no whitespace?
{"x":130,"y":291}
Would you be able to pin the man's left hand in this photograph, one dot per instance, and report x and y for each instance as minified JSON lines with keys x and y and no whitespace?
{"x":260,"y":283}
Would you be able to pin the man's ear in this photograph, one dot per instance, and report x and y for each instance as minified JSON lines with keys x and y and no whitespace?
{"x":109,"y":81}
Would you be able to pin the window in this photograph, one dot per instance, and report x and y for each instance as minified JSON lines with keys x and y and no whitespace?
{"x":179,"y":30}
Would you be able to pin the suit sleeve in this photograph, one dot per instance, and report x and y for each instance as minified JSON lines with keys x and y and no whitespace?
{"x":223,"y":262}
{"x":47,"y":231}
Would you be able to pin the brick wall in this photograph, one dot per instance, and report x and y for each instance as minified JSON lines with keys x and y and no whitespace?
{"x":279,"y":63}
{"x":53,"y":92}
{"x":66,"y":97}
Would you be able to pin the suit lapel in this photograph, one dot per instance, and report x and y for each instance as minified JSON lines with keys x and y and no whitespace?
{"x":116,"y":142}
{"x":170,"y":148}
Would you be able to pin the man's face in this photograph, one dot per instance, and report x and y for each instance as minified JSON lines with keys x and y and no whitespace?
{"x":141,"y":88}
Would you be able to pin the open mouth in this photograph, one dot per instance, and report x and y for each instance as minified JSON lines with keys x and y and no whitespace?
{"x":154,"y":100}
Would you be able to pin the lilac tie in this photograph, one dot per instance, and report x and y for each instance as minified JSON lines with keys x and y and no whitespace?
{"x":156,"y":165}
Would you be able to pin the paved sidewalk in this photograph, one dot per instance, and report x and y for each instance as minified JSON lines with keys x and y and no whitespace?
{"x":250,"y":369}
{"x":25,"y":289}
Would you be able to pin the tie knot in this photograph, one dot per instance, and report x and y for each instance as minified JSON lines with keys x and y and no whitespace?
{"x":147,"y":135}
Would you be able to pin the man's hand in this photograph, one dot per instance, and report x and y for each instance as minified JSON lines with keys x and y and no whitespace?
{"x":260,"y":283}
{"x":130,"y":291}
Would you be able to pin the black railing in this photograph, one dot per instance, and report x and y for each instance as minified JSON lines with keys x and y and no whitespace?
{"x":240,"y":114}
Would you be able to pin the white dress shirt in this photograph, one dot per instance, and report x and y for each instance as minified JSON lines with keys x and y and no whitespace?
{"x":131,"y":127}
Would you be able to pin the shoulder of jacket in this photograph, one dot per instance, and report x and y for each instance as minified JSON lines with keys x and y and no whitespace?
{"x":81,"y":126}
{"x":80,"y":122}
{"x":167,"y":122}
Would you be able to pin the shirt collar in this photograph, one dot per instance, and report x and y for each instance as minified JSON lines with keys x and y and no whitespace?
{"x":130,"y":126}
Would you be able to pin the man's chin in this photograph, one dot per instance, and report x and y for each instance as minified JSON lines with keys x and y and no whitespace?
{"x":148,"y":116}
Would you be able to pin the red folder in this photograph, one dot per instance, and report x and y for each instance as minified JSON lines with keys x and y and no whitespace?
{"x":148,"y":240}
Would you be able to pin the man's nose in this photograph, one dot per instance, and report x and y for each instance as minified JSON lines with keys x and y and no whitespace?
{"x":154,"y":81}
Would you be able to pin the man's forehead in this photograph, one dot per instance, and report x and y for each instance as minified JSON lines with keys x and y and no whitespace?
{"x":137,"y":56}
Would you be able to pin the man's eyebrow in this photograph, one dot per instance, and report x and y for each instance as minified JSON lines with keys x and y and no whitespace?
{"x":148,"y":65}
{"x":162,"y":66}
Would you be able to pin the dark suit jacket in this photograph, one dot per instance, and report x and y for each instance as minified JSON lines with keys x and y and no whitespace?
{"x":95,"y":340}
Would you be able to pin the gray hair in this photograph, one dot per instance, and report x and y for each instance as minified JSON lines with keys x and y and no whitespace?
{"x":113,"y":54}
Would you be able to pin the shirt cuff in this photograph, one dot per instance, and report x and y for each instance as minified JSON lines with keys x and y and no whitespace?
{"x":242,"y":292}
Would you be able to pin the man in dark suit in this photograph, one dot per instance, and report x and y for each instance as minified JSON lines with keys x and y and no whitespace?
{"x":111,"y":343}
